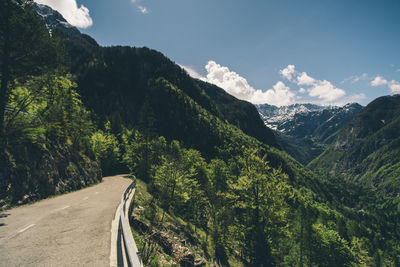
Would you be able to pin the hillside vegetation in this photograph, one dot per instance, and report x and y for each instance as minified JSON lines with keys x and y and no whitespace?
{"x":214,"y":172}
{"x":367,"y":150}
{"x":44,"y":127}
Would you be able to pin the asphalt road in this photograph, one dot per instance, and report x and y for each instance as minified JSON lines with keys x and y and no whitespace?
{"x":68,"y":230}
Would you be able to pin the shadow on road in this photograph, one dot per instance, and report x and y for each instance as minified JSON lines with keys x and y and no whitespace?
{"x":3,"y":215}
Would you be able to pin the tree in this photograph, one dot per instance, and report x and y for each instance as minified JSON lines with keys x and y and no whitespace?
{"x":258,"y":199}
{"x":25,"y":48}
{"x":142,"y":155}
{"x":49,"y":104}
{"x":146,"y":126}
{"x":106,"y":150}
{"x":329,"y":249}
{"x":220,"y":212}
{"x":174,"y":178}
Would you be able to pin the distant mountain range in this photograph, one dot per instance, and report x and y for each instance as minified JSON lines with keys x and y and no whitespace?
{"x":304,"y":129}
{"x":234,"y":178}
{"x":367,"y":149}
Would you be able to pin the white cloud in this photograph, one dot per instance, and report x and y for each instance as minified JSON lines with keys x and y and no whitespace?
{"x":304,"y":79}
{"x":192,"y":72}
{"x":362,"y":77}
{"x":76,"y":16}
{"x":288,"y":72}
{"x":228,"y":80}
{"x":326,"y":91}
{"x":143,"y":10}
{"x":378,"y":81}
{"x":278,"y":95}
{"x":238,"y":86}
{"x":355,"y":78}
{"x":398,"y":70}
{"x":394,"y":86}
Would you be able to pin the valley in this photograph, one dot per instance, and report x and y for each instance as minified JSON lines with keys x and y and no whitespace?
{"x":221,"y":182}
{"x":305,"y":130}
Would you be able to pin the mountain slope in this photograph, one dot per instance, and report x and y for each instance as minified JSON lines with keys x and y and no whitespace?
{"x":239,"y":113}
{"x":115,"y":81}
{"x":252,"y":199}
{"x":367,"y":150}
{"x":304,"y":130}
{"x":45,"y":129}
{"x":123,"y":78}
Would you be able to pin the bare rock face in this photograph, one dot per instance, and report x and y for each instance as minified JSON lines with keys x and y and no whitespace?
{"x":30,"y":172}
{"x":308,"y":120}
{"x":53,"y":19}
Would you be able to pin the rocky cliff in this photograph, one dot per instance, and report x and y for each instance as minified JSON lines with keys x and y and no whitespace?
{"x":31,"y":172}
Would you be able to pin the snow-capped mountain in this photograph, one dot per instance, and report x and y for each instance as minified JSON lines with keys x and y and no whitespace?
{"x":304,"y":130}
{"x":53,"y":19}
{"x":274,"y":116}
{"x":308,"y":120}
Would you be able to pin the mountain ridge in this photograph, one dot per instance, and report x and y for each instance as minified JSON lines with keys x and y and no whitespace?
{"x":53,"y":18}
{"x":368,"y":148}
{"x":253,"y":204}
{"x":304,"y":130}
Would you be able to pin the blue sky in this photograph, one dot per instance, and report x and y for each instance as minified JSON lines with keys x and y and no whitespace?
{"x":279,"y":52}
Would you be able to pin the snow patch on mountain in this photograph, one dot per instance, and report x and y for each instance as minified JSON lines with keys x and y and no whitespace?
{"x":274,"y":116}
{"x":305,"y":118}
{"x":53,"y":18}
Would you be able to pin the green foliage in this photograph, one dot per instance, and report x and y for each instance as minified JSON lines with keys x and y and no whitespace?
{"x":360,"y":252}
{"x":142,"y":153}
{"x":206,"y":156}
{"x":106,"y":150}
{"x":368,"y":148}
{"x":329,"y":249}
{"x":258,"y":196}
{"x":177,"y":181}
{"x":303,"y":149}
{"x":240,"y":113}
{"x":25,"y":49}
{"x":48,"y":107}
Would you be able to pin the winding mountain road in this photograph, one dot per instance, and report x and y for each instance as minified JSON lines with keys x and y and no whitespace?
{"x":67,"y":230}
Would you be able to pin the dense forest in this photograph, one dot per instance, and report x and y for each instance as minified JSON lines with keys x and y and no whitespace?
{"x":370,"y":142}
{"x":72,"y":111}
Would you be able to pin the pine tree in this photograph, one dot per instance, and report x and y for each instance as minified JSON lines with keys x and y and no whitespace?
{"x":257,"y":197}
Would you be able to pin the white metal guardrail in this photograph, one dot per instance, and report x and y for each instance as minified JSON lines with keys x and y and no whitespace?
{"x":128,"y":255}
